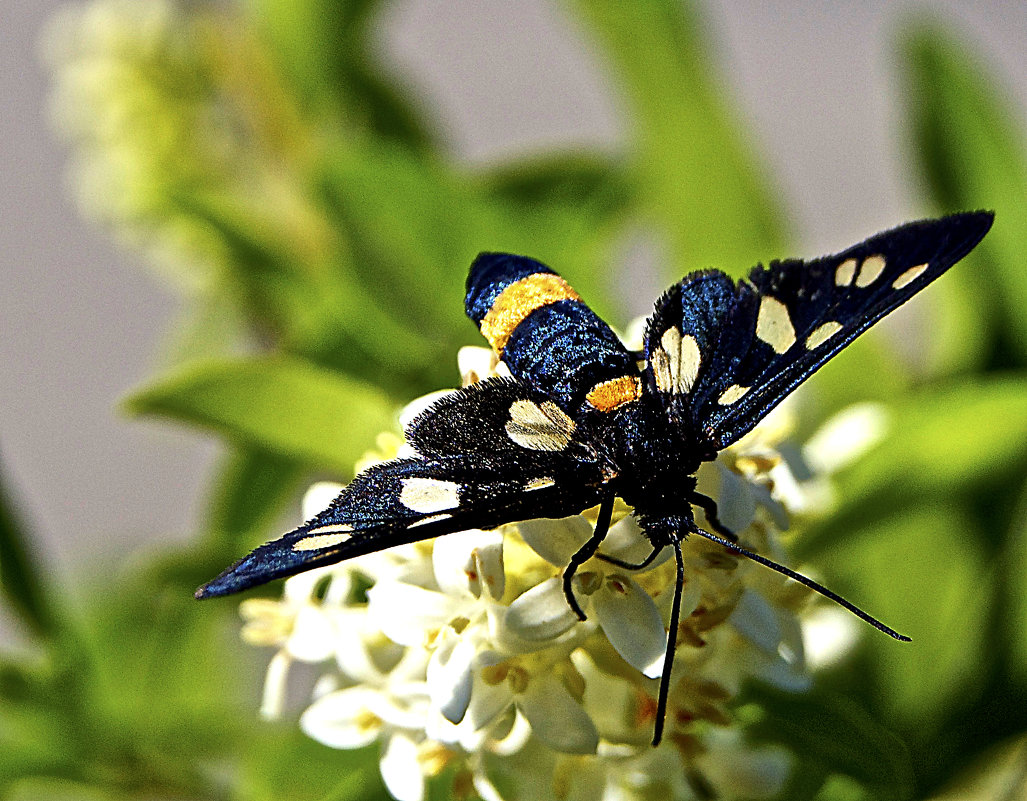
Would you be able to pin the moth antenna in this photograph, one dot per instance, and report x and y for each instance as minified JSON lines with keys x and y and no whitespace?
{"x":806,"y":581}
{"x":672,"y":635}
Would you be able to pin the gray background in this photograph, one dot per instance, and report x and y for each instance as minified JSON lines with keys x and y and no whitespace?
{"x":82,"y":322}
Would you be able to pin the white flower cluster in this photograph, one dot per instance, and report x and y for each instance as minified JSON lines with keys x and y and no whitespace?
{"x":464,"y":654}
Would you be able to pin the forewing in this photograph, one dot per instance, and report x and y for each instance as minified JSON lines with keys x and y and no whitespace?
{"x":494,"y":453}
{"x":721,"y":356}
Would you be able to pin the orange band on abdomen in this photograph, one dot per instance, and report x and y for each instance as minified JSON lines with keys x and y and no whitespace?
{"x":608,"y":395}
{"x":519,"y":300}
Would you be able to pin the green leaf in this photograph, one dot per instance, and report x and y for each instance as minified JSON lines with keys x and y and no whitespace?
{"x":969,"y":149}
{"x":283,"y":405}
{"x":413,"y":223}
{"x":251,"y":489}
{"x":833,"y":735}
{"x":281,"y":762}
{"x":694,"y":172}
{"x":997,"y":776}
{"x":1014,"y":574}
{"x":311,"y":298}
{"x":923,"y":572}
{"x":324,"y":47}
{"x":34,"y":788}
{"x":953,"y":439}
{"x":21,"y":577}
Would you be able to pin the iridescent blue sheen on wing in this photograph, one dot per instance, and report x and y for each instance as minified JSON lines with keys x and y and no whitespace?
{"x":409,"y":500}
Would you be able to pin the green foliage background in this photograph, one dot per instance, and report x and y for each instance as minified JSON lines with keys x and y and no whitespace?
{"x":307,"y":202}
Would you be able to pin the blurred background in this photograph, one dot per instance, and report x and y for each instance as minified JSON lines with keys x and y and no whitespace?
{"x":220,"y":210}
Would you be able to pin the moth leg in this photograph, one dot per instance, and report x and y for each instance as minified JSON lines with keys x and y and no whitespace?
{"x":587,"y":551}
{"x":613,"y":560}
{"x":709,"y":507}
{"x":672,"y":636}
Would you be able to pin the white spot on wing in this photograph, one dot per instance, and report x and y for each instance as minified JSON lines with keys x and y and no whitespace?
{"x":431,"y":519}
{"x":909,"y":276}
{"x":324,"y":537}
{"x":821,"y":334}
{"x":429,"y":494}
{"x":774,"y":326}
{"x":845,"y":273}
{"x":539,"y":427}
{"x":870,"y":271}
{"x":732,"y":394}
{"x":676,"y":362}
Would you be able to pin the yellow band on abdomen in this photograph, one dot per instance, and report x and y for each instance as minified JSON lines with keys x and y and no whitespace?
{"x":519,"y":300}
{"x":608,"y":395}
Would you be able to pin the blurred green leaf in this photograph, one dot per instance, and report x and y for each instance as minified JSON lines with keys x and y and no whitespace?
{"x":924,"y":573}
{"x":326,"y":49}
{"x":832,"y":735}
{"x":21,"y":578}
{"x":414,"y":223}
{"x":1014,"y":573}
{"x":694,"y":170}
{"x":283,"y":405}
{"x":251,"y":489}
{"x":969,"y":147}
{"x":1000,"y":775}
{"x":36,"y":788}
{"x":283,"y":763}
{"x":842,"y":381}
{"x":311,"y":298}
{"x":956,"y":438}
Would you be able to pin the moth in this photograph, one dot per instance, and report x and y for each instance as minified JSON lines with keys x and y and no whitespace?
{"x":584,"y":420}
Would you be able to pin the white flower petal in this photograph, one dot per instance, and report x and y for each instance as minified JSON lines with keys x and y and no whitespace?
{"x":273,"y":699}
{"x":787,"y":495}
{"x":846,"y":437}
{"x":488,"y":702}
{"x":401,"y":770}
{"x":464,"y":560}
{"x":450,"y":677}
{"x":355,"y":655}
{"x":632,"y":623}
{"x":406,"y":614}
{"x":756,"y":620}
{"x":299,"y":589}
{"x":344,"y":719}
{"x":556,"y":541}
{"x":418,"y":405}
{"x":611,"y":701}
{"x":319,"y":497}
{"x":626,"y":542}
{"x":313,"y":636}
{"x":828,"y":634}
{"x":736,"y":506}
{"x":512,"y":741}
{"x":475,"y":363}
{"x":541,"y":613}
{"x":743,"y":771}
{"x":556,"y":718}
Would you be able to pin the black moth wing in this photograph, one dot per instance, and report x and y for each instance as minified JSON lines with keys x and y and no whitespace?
{"x":721,"y":355}
{"x":503,"y":418}
{"x":492,"y":481}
